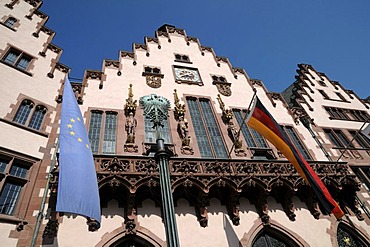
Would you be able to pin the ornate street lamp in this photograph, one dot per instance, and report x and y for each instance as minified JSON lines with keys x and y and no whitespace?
{"x":156,"y":110}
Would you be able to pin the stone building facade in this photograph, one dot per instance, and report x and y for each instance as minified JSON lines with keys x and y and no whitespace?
{"x":229,"y":189}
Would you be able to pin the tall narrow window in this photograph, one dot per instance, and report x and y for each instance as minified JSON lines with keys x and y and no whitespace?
{"x":94,"y":130}
{"x":337,"y":138}
{"x":362,"y":140}
{"x":37,"y":117}
{"x":208,"y":135}
{"x":251,"y":136}
{"x":296,"y":141}
{"x":150,"y":132}
{"x":109,"y":143}
{"x":23,"y":112}
{"x":14,"y":176}
{"x":8,"y":197}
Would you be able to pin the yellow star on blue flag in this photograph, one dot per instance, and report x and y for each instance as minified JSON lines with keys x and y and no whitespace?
{"x":77,"y":186}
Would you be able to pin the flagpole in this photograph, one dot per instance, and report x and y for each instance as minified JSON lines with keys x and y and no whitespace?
{"x":354,"y":137}
{"x":243,"y":122}
{"x":40,"y":215}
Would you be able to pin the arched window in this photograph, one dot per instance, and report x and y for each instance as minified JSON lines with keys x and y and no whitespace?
{"x":348,"y":237}
{"x":267,"y":239}
{"x":37,"y":117}
{"x":23,"y":112}
{"x":132,"y":241}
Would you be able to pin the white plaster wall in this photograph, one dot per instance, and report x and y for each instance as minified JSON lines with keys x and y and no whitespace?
{"x":4,"y":235}
{"x":219,"y":232}
{"x":73,"y":231}
{"x":10,"y":138}
{"x":149,"y":217}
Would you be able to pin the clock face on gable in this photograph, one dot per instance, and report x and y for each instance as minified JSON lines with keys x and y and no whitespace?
{"x":187,"y":74}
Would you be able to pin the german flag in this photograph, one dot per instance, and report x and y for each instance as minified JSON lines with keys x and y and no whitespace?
{"x":263,"y":122}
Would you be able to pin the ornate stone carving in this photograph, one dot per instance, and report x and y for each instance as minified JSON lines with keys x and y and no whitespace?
{"x":191,"y":39}
{"x":151,"y":39}
{"x":205,"y":48}
{"x":154,"y":81}
{"x":185,"y":167}
{"x":61,"y":67}
{"x":227,"y":117}
{"x":155,"y":108}
{"x":182,"y":126}
{"x":223,"y":88}
{"x":222,"y":59}
{"x":111,"y":64}
{"x":131,"y":122}
{"x":94,"y":75}
{"x":175,"y":30}
{"x":54,"y":48}
{"x":115,"y":165}
{"x":47,"y":30}
{"x":140,"y":46}
{"x":256,"y":82}
{"x":128,"y":54}
{"x":92,"y":224}
{"x":130,"y":221}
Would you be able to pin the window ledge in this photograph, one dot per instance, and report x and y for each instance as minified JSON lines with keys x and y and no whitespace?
{"x":11,"y":219}
{"x":351,"y":148}
{"x":337,"y":100}
{"x":41,"y":133}
{"x":182,"y":61}
{"x":15,"y":67}
{"x":343,"y":119}
{"x":154,"y":74}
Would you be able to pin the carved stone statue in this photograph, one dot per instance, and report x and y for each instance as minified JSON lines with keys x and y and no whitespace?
{"x":130,"y":127}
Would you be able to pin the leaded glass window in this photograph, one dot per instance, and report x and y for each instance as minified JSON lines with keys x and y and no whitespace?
{"x":17,"y":58}
{"x":361,"y":139}
{"x":8,"y":197}
{"x":94,"y":130}
{"x":3,"y":164}
{"x":23,"y":112}
{"x":338,"y":138}
{"x":37,"y":117}
{"x":347,"y":239}
{"x":207,"y":133}
{"x":267,"y":240}
{"x":150,"y":132}
{"x":18,"y":171}
{"x":10,"y":22}
{"x":251,"y":136}
{"x":109,"y":143}
{"x":296,"y":141}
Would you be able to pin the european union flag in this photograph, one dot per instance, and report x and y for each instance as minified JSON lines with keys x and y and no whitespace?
{"x":77,"y":187}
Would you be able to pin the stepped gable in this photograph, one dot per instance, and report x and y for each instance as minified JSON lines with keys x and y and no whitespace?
{"x":166,"y":31}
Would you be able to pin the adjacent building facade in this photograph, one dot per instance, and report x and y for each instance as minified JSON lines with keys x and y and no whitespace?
{"x":230,"y":188}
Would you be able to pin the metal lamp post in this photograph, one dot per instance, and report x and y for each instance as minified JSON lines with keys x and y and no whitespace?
{"x":156,"y":109}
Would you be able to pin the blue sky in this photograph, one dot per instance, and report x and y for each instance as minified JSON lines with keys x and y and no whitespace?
{"x":268,"y":38}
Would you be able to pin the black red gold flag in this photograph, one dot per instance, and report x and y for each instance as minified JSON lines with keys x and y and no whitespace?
{"x":263,"y":122}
